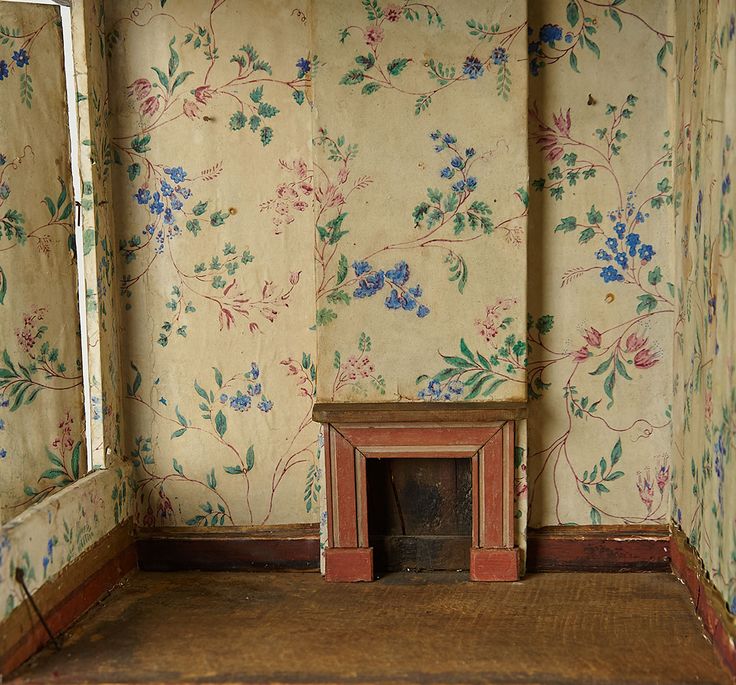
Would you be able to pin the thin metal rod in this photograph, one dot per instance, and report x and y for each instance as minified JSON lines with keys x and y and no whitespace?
{"x":19,"y":576}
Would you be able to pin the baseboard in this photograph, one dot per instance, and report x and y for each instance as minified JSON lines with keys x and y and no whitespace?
{"x":709,"y":603}
{"x":64,"y":598}
{"x":598,"y":548}
{"x":231,"y":548}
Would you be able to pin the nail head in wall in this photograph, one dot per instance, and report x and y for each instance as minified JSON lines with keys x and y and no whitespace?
{"x":591,"y":100}
{"x":610,"y":297}
{"x":232,"y":211}
{"x":207,"y":118}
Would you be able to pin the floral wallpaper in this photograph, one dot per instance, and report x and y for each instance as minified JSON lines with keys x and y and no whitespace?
{"x":40,"y":349}
{"x":601,"y":293}
{"x":704,"y":497}
{"x":212,"y":179}
{"x":36,"y":370}
{"x":420,"y":249}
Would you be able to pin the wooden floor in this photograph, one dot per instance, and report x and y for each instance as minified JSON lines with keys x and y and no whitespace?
{"x":406,"y":628}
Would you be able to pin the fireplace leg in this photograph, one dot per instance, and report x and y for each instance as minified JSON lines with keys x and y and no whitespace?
{"x":349,"y":564}
{"x":494,"y":563}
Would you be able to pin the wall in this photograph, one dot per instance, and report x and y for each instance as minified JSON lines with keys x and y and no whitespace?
{"x":48,"y":536}
{"x":296,"y":154}
{"x":40,"y":369}
{"x":601,"y":298}
{"x":704,"y":497}
{"x":212,"y":195}
{"x":420,"y":200}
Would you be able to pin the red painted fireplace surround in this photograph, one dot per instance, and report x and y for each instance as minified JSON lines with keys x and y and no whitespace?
{"x":480,"y":431}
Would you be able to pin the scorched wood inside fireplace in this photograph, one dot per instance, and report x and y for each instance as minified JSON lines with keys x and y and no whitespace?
{"x":481,"y":432}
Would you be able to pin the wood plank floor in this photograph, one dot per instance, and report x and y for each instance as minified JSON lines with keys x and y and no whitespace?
{"x":406,"y":628}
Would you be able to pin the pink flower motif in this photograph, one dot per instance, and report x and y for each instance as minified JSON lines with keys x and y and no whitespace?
{"x":646,"y":490}
{"x":357,"y":367}
{"x":374,"y":36}
{"x":140,"y":88}
{"x":150,"y":106}
{"x":285,"y":191}
{"x":635,"y":342}
{"x":306,"y":187}
{"x":708,"y":405}
{"x":582,"y":354}
{"x":393,"y":13}
{"x":202,"y":94}
{"x":342,"y":174}
{"x":646,"y":358}
{"x":563,"y":123}
{"x":300,"y":205}
{"x":490,"y":326}
{"x":592,"y":337}
{"x":191,"y":109}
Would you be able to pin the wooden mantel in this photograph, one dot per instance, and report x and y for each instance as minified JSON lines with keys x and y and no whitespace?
{"x":480,"y":431}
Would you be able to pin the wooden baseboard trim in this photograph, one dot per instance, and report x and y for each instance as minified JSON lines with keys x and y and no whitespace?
{"x":709,"y":603}
{"x":64,"y":598}
{"x":598,"y":548}
{"x":285,"y":547}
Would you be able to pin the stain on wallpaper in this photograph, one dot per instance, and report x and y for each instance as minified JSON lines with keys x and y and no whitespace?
{"x":420,"y":200}
{"x":704,"y":497}
{"x":601,"y":293}
{"x":40,"y":349}
{"x":212,"y":192}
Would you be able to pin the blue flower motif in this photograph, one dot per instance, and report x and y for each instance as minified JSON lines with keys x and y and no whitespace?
{"x":176,"y":204}
{"x":176,"y":173}
{"x":457,"y":162}
{"x":265,"y":405}
{"x":408,"y":303}
{"x":534,"y":47}
{"x":641,"y":218}
{"x":184,"y":192}
{"x":4,"y":191}
{"x":458,"y":186}
{"x":166,"y":189}
{"x":622,"y":260}
{"x":422,"y":311}
{"x":447,"y":172}
{"x":435,"y":135}
{"x":620,"y":229}
{"x":157,"y":206}
{"x":612,"y":244}
{"x":3,"y":453}
{"x":223,"y":398}
{"x":632,"y":240}
{"x":143,"y":196}
{"x":726,"y":185}
{"x":240,"y":402}
{"x":449,"y":139}
{"x":549,"y":33}
{"x":473,"y":68}
{"x":21,"y":58}
{"x":2,"y":424}
{"x":370,"y":285}
{"x":434,"y":387}
{"x":499,"y":56}
{"x":568,"y":37}
{"x":361,"y":267}
{"x":456,"y":387}
{"x":469,"y":152}
{"x":399,"y":274}
{"x":304,"y":65}
{"x":416,"y":291}
{"x":255,"y":389}
{"x":2,"y":159}
{"x":149,"y":229}
{"x":602,"y":254}
{"x":168,"y":216}
{"x":609,"y":274}
{"x":3,"y":69}
{"x":254,"y":371}
{"x":534,"y":66}
{"x":646,"y":252}
{"x":392,"y":301}
{"x":472,"y":183}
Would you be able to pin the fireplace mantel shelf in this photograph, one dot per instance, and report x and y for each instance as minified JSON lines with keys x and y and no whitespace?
{"x":418,"y":412}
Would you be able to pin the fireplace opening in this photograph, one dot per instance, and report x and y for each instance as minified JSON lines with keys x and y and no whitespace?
{"x":420,"y":513}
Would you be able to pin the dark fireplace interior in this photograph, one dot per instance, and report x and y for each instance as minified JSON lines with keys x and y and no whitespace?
{"x":419,"y":513}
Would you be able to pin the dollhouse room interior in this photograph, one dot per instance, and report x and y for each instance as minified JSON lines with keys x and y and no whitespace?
{"x":367,"y":341}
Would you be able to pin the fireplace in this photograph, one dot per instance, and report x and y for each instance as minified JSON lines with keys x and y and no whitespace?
{"x":482,"y":432}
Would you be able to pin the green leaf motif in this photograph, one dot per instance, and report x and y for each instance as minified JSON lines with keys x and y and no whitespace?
{"x":221,"y":423}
